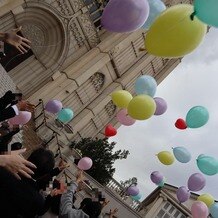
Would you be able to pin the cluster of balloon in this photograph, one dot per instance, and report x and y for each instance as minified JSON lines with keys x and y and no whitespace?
{"x":133,"y":190}
{"x":173,"y":33}
{"x":161,"y":106}
{"x":196,"y":182}
{"x":214,"y":210}
{"x":143,"y":106}
{"x":110,"y":131}
{"x":207,"y":165}
{"x":182,"y":194}
{"x":180,"y":124}
{"x":166,"y":157}
{"x":182,"y":154}
{"x":199,"y":210}
{"x":53,"y":106}
{"x":157,"y":178}
{"x":21,"y":119}
{"x":65,"y":115}
{"x":137,"y":197}
{"x":207,"y":11}
{"x":156,"y":8}
{"x":124,"y":118}
{"x":197,"y":117}
{"x":208,"y":199}
{"x":125,"y":16}
{"x":85,"y":163}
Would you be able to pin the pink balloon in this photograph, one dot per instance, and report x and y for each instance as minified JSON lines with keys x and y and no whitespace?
{"x":21,"y":119}
{"x":85,"y":163}
{"x":199,"y":210}
{"x":124,"y":118}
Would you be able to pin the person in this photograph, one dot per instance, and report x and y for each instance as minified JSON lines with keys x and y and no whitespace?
{"x":16,"y":104}
{"x":89,"y":209}
{"x":23,"y":195}
{"x":12,"y":38}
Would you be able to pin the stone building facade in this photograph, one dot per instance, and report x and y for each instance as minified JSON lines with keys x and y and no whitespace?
{"x":74,"y":60}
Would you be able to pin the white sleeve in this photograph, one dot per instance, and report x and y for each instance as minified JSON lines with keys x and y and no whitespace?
{"x":15,"y":109}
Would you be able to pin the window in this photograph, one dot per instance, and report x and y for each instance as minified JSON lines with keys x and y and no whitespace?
{"x":95,"y":8}
{"x":169,"y":211}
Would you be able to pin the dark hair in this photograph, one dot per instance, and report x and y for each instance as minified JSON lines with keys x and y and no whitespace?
{"x":16,"y":146}
{"x":44,"y":161}
{"x":55,"y":204}
{"x":92,"y":208}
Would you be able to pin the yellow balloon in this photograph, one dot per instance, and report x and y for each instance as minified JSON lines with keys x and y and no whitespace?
{"x":121,"y":98}
{"x":141,"y":107}
{"x":207,"y":199}
{"x":174,"y":34}
{"x":166,"y":157}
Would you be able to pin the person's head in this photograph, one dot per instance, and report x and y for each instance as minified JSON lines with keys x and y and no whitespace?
{"x":91,"y":208}
{"x":44,"y":161}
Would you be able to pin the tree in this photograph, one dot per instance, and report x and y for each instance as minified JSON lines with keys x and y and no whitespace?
{"x":127,"y":183}
{"x":103,"y":157}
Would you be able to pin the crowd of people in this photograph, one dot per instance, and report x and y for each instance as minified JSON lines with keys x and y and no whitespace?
{"x":27,"y":187}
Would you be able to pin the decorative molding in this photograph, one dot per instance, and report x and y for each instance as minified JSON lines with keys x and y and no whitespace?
{"x":110,"y":108}
{"x":73,"y":27}
{"x":98,"y":80}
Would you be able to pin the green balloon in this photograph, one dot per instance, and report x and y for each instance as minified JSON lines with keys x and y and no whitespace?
{"x":65,"y":115}
{"x":197,"y":117}
{"x":206,"y":11}
{"x":161,"y":184}
{"x":207,"y":165}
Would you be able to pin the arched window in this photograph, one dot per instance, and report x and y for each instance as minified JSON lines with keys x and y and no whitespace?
{"x":110,"y":108}
{"x":97,"y":81}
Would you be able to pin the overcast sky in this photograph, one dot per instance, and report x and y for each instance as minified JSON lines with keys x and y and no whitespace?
{"x":193,"y":82}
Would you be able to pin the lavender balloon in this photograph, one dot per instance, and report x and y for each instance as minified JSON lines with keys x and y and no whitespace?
{"x":156,"y":177}
{"x":133,"y":190}
{"x":125,"y":15}
{"x":124,"y":118}
{"x":53,"y":106}
{"x":182,"y":194}
{"x":196,"y":182}
{"x":161,"y":106}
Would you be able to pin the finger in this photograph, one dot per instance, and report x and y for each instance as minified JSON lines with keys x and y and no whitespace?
{"x":19,"y":49}
{"x":18,"y":152}
{"x":29,"y":164}
{"x":25,"y":174}
{"x":17,"y":176}
{"x":26,"y":40}
{"x":17,"y":29}
{"x":22,"y":48}
{"x":25,"y":44}
{"x":28,"y":170}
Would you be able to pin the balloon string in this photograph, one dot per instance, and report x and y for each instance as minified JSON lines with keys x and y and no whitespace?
{"x":193,"y":15}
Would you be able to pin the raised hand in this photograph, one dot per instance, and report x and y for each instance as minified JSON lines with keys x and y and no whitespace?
{"x":19,"y":42}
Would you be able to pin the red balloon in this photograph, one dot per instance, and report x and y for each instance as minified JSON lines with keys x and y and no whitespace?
{"x":110,"y":131}
{"x":180,"y":124}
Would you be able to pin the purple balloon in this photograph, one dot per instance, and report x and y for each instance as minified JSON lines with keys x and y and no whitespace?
{"x":156,"y":177}
{"x":124,"y":15}
{"x":133,"y":190}
{"x":53,"y":106}
{"x":161,"y":106}
{"x":182,"y":194}
{"x":85,"y":163}
{"x":196,"y":182}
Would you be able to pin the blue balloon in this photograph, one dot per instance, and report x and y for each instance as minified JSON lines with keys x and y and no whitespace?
{"x":214,"y":210}
{"x":137,"y":197}
{"x":156,"y":8}
{"x":182,"y":154}
{"x":146,"y":85}
{"x":207,"y":165}
{"x":197,"y":117}
{"x":161,"y":184}
{"x":65,"y":115}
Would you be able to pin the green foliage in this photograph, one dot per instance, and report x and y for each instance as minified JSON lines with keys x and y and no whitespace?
{"x":103,"y":156}
{"x":127,"y":183}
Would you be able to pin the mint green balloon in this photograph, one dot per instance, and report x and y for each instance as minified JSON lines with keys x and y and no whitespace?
{"x":197,"y":117}
{"x":137,"y":197}
{"x":207,"y":11}
{"x":207,"y":165}
{"x":65,"y":115}
{"x":161,"y":184}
